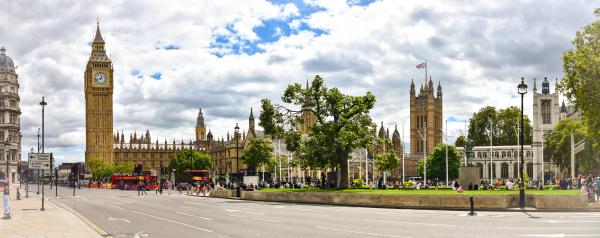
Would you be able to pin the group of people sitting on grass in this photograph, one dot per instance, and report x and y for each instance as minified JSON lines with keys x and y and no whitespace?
{"x":586,"y":184}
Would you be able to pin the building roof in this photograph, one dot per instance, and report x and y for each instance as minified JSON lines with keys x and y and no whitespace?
{"x":6,"y":63}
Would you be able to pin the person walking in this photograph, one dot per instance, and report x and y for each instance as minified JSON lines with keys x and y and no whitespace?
{"x":143,"y":187}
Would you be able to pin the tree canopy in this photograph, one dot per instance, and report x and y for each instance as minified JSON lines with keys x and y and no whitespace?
{"x":559,"y":146}
{"x":387,"y":160}
{"x":189,"y":159}
{"x":581,"y":81}
{"x":342,"y":124}
{"x":460,"y":141}
{"x":504,"y":124}
{"x":258,"y":152}
{"x":436,"y":163}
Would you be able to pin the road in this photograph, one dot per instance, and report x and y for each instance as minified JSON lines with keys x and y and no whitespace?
{"x":124,"y":214}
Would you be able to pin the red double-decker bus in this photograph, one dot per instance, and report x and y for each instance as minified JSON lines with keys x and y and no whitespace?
{"x":130,"y":182}
{"x":197,"y":176}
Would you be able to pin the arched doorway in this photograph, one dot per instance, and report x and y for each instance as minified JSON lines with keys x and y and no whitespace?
{"x":480,"y":165}
{"x":504,"y":170}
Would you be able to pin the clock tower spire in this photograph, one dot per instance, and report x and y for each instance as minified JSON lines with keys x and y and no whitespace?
{"x":98,"y":89}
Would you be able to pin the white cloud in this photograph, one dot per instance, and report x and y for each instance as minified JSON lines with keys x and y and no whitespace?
{"x":478,"y":51}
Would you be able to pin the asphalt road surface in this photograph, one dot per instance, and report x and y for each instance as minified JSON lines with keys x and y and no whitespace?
{"x":124,"y":214}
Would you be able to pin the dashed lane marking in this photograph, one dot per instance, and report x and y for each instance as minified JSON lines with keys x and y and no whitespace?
{"x":197,"y":203}
{"x":199,"y":217}
{"x":254,"y":213}
{"x":410,"y":223}
{"x":176,"y":222}
{"x":257,"y":219}
{"x":357,"y":232}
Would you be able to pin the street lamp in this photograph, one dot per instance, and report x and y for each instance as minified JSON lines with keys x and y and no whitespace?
{"x":522,"y":89}
{"x":236,"y":130}
{"x":7,"y":185}
{"x":43,"y":104}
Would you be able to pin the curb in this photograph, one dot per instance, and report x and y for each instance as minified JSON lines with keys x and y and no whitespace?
{"x":86,"y":221}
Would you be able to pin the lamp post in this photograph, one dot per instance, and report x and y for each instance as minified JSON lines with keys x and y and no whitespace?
{"x":38,"y":171}
{"x":7,"y":185}
{"x":522,"y":89}
{"x":43,"y":104}
{"x":236,"y":130}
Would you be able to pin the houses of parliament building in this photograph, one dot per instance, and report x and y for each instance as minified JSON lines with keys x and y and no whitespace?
{"x":112,"y":147}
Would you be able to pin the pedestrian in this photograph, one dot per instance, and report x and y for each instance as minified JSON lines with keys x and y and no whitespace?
{"x":143,"y":187}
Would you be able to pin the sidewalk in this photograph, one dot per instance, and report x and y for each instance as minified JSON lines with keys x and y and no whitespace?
{"x":28,"y":221}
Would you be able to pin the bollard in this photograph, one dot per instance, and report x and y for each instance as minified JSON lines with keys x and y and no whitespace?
{"x":18,"y":193}
{"x":238,"y":192}
{"x":472,"y":201}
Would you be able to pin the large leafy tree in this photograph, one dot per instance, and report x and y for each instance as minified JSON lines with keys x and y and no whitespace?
{"x":387,"y":160}
{"x":460,"y":141}
{"x":189,"y":159}
{"x":124,"y":168}
{"x":342,"y":124}
{"x":504,"y":124}
{"x":436,"y":163}
{"x":581,"y":82}
{"x":559,"y":146}
{"x":258,"y":153}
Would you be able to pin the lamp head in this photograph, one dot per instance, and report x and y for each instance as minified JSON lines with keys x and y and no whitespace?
{"x":522,"y":88}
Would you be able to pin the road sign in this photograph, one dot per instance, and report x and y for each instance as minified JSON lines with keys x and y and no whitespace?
{"x":39,"y":160}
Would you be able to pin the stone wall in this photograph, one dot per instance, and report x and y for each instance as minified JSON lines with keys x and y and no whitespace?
{"x":222,"y":193}
{"x":438,"y":201}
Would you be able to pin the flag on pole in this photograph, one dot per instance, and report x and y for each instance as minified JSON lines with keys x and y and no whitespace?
{"x":422,"y":65}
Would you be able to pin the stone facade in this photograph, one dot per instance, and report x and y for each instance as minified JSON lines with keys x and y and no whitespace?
{"x":425,"y":119}
{"x":10,"y":122}
{"x":546,"y":114}
{"x":504,"y":160}
{"x":99,"y":85}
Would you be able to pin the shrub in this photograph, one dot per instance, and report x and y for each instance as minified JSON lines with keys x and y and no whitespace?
{"x":409,"y":184}
{"x":358,"y":183}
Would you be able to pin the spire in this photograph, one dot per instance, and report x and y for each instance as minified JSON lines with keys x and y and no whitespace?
{"x":98,"y":37}
{"x":563,"y":108}
{"x":381,"y":133}
{"x":534,"y":85}
{"x":439,"y":89}
{"x":412,"y":86}
{"x":251,"y":114}
{"x":200,"y":119}
{"x":556,"y":85}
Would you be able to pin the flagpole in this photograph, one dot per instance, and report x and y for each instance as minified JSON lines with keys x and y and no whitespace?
{"x":426,"y":72}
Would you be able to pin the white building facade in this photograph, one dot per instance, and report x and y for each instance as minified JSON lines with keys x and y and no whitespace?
{"x":504,"y":161}
{"x":546,"y":114}
{"x":10,"y":126}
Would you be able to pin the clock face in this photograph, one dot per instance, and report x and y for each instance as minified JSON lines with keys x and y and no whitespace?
{"x":100,"y":78}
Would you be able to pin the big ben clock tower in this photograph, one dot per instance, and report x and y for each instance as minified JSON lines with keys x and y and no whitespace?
{"x":99,"y":103}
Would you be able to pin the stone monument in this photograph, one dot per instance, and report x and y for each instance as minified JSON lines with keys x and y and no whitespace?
{"x":468,"y":174}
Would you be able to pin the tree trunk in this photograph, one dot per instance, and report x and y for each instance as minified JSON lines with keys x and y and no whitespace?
{"x":343,"y":183}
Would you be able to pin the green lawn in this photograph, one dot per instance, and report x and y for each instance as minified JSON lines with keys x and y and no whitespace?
{"x":422,"y":191}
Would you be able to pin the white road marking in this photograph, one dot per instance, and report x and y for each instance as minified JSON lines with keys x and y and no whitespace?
{"x":197,"y":203}
{"x":562,"y":221}
{"x":547,"y":228}
{"x":113,"y":205}
{"x":192,"y":208}
{"x":258,"y":219}
{"x":562,"y":235}
{"x":99,"y":202}
{"x":357,"y":232}
{"x":205,"y":218}
{"x":254,"y":213}
{"x":176,"y":222}
{"x":304,"y":213}
{"x":125,"y":220}
{"x":410,"y":223}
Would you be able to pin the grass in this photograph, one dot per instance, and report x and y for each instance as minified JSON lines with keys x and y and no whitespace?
{"x":423,"y":191}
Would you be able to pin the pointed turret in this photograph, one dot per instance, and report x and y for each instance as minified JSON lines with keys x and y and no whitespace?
{"x":396,"y":141}
{"x":98,"y":37}
{"x":381,"y":133}
{"x":563,"y":107}
{"x":148,"y":139}
{"x":412,"y":87}
{"x":251,"y":123}
{"x":534,"y":86}
{"x":439,"y":89}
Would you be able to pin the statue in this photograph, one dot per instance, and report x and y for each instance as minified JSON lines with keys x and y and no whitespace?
{"x":469,"y":144}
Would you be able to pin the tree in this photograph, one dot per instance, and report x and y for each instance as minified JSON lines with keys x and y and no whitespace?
{"x":342,"y":124}
{"x":189,"y":159}
{"x":558,"y":144}
{"x":95,"y":165}
{"x":124,"y":168}
{"x":258,"y":152}
{"x":581,"y":81}
{"x":460,"y":141}
{"x":504,"y":124}
{"x":387,"y":160}
{"x":436,"y":163}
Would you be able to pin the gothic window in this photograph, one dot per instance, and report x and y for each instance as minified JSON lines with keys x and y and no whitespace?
{"x":529,"y":169}
{"x":546,"y":111}
{"x":1,"y":135}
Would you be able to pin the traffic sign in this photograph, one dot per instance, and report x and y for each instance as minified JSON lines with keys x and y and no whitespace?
{"x":39,"y":160}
